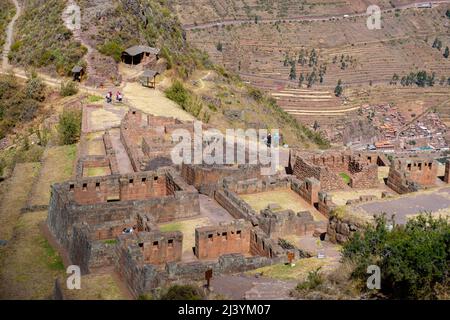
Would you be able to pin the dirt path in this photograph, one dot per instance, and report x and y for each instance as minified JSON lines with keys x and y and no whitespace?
{"x":154,"y":102}
{"x":9,"y":36}
{"x":220,"y":23}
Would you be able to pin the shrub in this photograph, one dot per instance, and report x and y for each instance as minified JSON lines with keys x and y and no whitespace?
{"x":182,"y":292}
{"x":112,"y":48}
{"x":413,"y":258}
{"x":68,"y":88}
{"x":189,"y":102}
{"x":69,"y":127}
{"x":313,"y":280}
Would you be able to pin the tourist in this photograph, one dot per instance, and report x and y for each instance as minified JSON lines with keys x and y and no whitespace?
{"x":118,"y":96}
{"x":109,"y":97}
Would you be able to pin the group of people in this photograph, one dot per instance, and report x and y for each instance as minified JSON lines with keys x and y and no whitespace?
{"x":109,"y":97}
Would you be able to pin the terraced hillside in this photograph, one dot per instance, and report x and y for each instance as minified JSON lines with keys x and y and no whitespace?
{"x":282,"y":57}
{"x":193,"y":12}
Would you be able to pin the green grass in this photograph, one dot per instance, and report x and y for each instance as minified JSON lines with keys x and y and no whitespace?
{"x":52,"y":258}
{"x":94,"y":98}
{"x":176,"y":226}
{"x":345,"y":177}
{"x":110,"y":241}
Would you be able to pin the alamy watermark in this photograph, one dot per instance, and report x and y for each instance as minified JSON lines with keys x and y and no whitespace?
{"x":74,"y":280}
{"x":374,"y":19}
{"x":374,"y":280}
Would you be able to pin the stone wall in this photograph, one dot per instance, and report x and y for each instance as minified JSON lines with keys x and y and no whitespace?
{"x":327,"y":167}
{"x":142,"y":278}
{"x":447,"y":172}
{"x":214,"y":241}
{"x":105,"y":219}
{"x":279,"y":223}
{"x":340,"y":230}
{"x":206,"y":179}
{"x":411,"y":174}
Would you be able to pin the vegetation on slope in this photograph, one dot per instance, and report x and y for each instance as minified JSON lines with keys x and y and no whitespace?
{"x":7,"y":11}
{"x":19,"y":103}
{"x":41,"y":39}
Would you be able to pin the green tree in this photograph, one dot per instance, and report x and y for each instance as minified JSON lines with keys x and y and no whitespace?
{"x":414,"y":257}
{"x":339,"y":89}
{"x":292,"y":73}
{"x":69,"y":127}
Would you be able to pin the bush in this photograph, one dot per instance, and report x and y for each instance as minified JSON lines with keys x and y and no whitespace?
{"x":182,"y":292}
{"x":313,"y":280}
{"x":189,"y":102}
{"x":69,"y":88}
{"x":413,"y":258}
{"x":69,"y":127}
{"x":112,"y":48}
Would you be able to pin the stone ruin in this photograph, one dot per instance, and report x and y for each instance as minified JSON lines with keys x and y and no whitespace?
{"x":411,"y":174}
{"x":85,"y":213}
{"x":362,"y":169}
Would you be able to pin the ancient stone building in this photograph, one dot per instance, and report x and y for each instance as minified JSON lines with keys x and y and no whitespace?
{"x":214,"y":241}
{"x":411,"y":174}
{"x":85,"y":213}
{"x":207,"y":178}
{"x":330,"y":168}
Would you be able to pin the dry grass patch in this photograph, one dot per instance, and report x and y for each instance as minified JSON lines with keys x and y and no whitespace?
{"x":14,"y":196}
{"x":96,"y":287}
{"x":97,"y":172}
{"x":29,"y":265}
{"x":286,"y":272}
{"x":187,"y":227}
{"x":58,"y":163}
{"x":154,"y":102}
{"x":286,"y":198}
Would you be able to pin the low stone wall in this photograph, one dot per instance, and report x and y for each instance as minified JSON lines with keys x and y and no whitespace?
{"x":340,"y":230}
{"x":144,"y":278}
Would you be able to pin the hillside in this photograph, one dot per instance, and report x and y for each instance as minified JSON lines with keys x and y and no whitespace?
{"x":121,"y":24}
{"x":42,"y":41}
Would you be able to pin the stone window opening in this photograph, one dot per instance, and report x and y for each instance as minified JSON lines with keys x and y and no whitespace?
{"x":210,"y":237}
{"x":71,"y":187}
{"x":155,"y":178}
{"x":155,"y":244}
{"x":144,"y":180}
{"x":420,"y":166}
{"x":224,"y":236}
{"x":239,"y":233}
{"x":131,"y":181}
{"x":84,"y":186}
{"x":409,"y":166}
{"x":256,"y":237}
{"x":429,"y":165}
{"x":170,"y":243}
{"x":97,"y":185}
{"x":141,"y":245}
{"x":263,"y":246}
{"x":134,"y":112}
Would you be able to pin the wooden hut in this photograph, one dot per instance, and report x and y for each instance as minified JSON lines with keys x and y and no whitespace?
{"x":138,"y":54}
{"x":149,"y":78}
{"x":77,"y":73}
